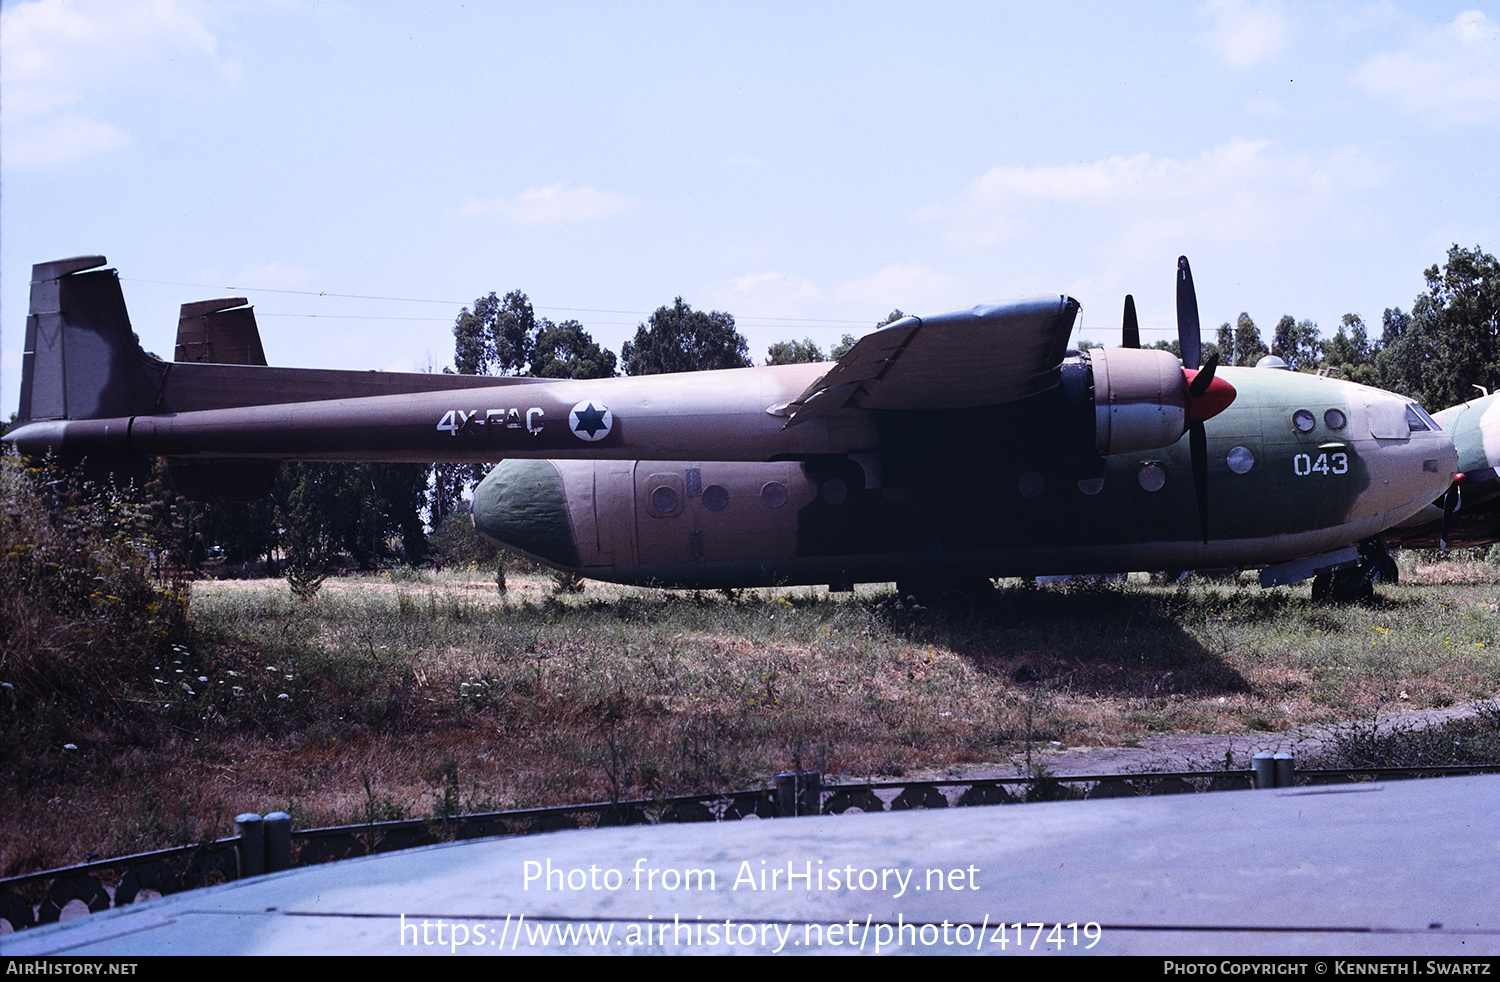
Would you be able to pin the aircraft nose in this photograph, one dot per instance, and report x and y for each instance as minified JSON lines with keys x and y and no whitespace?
{"x":1439,"y":460}
{"x":1446,"y":471}
{"x":1411,"y":460}
{"x":1425,"y":463}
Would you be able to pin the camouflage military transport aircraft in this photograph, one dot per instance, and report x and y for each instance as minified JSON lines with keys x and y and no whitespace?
{"x":939,"y":452}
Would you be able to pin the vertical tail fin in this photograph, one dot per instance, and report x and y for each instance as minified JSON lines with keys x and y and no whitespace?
{"x":81,"y":359}
{"x":220,"y":331}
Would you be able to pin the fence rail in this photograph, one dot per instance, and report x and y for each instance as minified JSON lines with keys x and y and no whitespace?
{"x":269,"y":844}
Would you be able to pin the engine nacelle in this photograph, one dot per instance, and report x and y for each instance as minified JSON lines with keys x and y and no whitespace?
{"x":1140,"y":401}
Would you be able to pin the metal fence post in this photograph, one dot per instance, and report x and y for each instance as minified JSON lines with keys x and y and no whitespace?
{"x":786,"y":794}
{"x":278,"y":842}
{"x":1286,"y":770}
{"x":810,"y":796}
{"x":250,"y":851}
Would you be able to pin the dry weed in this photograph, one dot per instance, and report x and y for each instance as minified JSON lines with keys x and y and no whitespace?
{"x":425,"y":693}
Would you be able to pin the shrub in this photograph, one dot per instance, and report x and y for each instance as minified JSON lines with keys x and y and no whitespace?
{"x":86,"y":625}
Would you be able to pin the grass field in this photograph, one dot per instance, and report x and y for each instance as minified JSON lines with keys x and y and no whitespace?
{"x":394,"y":696}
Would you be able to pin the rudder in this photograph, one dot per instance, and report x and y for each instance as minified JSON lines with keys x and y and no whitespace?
{"x":81,"y":359}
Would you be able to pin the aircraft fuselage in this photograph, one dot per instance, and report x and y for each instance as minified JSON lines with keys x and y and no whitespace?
{"x":974,"y":497}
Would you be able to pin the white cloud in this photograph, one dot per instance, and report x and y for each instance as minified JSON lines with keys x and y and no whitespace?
{"x":1246,"y":33}
{"x":912,"y":288}
{"x":1241,"y":191}
{"x":748,"y":282}
{"x":58,"y":140}
{"x":1450,"y":73}
{"x":550,"y":205}
{"x":770,"y":294}
{"x":56,"y":55}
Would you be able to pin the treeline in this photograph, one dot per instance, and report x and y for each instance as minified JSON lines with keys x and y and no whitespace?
{"x":377,"y":514}
{"x":319,"y":516}
{"x":1441,"y":353}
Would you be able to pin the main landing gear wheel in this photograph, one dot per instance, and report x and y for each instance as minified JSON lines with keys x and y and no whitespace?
{"x":1386,"y":570}
{"x":953,"y":598}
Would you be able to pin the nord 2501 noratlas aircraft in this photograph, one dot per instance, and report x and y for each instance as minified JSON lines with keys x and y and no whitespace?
{"x":938,"y":453}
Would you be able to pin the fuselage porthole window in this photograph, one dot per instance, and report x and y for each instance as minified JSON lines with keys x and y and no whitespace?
{"x":664,"y":500}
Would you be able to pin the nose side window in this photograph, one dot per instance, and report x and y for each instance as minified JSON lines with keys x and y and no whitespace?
{"x":1412,"y":409}
{"x":1387,"y":418}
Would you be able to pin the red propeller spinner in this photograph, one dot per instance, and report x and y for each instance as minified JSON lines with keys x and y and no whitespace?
{"x":1207,"y":395}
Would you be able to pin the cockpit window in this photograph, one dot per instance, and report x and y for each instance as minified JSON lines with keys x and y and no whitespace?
{"x":1417,"y":419}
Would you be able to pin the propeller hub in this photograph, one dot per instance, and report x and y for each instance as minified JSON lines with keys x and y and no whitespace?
{"x":1211,"y":401}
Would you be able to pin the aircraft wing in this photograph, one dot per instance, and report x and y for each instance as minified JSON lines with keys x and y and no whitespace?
{"x":982,"y":356}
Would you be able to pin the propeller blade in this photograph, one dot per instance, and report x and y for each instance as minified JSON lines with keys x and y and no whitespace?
{"x":1204,"y":378}
{"x":1206,"y":395}
{"x":1188,"y":333}
{"x":1131,"y":334}
{"x":1198,"y":444}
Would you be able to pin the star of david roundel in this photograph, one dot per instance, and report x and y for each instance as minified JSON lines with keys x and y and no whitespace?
{"x":591,"y":421}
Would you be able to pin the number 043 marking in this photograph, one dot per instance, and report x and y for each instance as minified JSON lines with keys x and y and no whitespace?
{"x":1304,"y":464}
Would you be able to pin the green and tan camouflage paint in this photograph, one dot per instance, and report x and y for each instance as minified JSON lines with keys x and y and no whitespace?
{"x":1306,"y":493}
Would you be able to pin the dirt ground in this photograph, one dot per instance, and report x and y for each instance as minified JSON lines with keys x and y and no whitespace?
{"x":1204,"y":752}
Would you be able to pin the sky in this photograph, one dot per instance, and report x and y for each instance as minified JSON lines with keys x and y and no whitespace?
{"x":360,"y":171}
